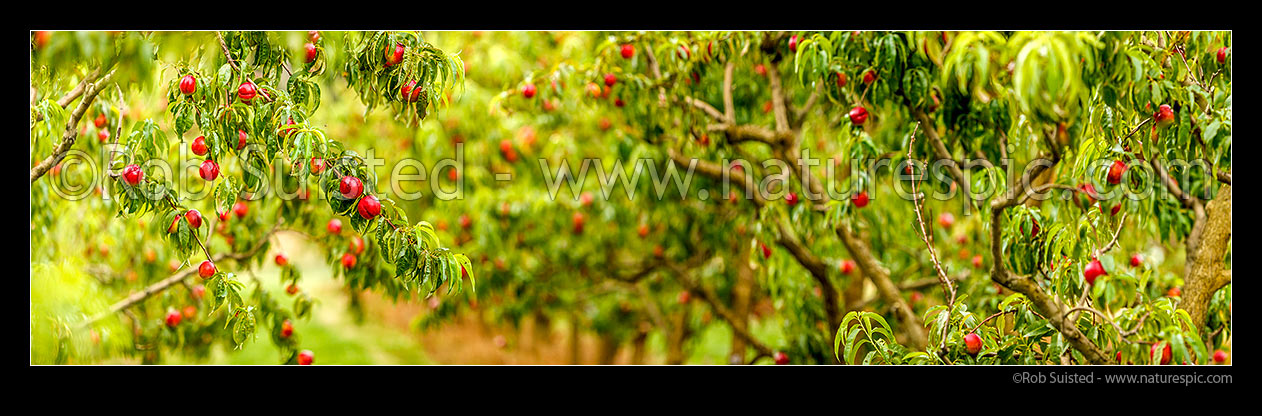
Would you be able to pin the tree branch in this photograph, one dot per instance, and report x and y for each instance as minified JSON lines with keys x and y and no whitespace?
{"x":72,"y":132}
{"x":174,"y":279}
{"x":78,"y":90}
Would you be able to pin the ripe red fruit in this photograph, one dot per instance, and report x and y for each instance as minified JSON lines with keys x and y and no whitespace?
{"x":658,"y":251}
{"x":396,"y":55}
{"x":604,"y":124}
{"x":628,"y":51}
{"x":317,"y":165}
{"x":1035,"y":229}
{"x":209,"y":170}
{"x":916,"y":297}
{"x":977,"y":261}
{"x":869,"y":76}
{"x":781,"y":358}
{"x":357,"y":245}
{"x":610,"y":79}
{"x":766,"y":251}
{"x":286,"y":329}
{"x":847,"y":266}
{"x":132,"y":174}
{"x":1136,"y":260}
{"x":685,"y":296}
{"x":766,"y":107}
{"x":946,"y":219}
{"x":1092,"y":271}
{"x":100,"y":121}
{"x":1222,"y":55}
{"x":643,"y":231}
{"x":190,"y":311}
{"x":528,"y":91}
{"x":311,"y":51}
{"x":860,"y":200}
{"x":334,"y":226}
{"x":199,"y":146}
{"x":369,"y":207}
{"x":291,"y":289}
{"x":973,"y":343}
{"x":1115,"y":172}
{"x":585,"y":198}
{"x":240,"y":208}
{"x":683,"y":52}
{"x":841,"y":79}
{"x":579,"y":220}
{"x":350,"y":187}
{"x":173,"y":318}
{"x":465,"y":221}
{"x":760,"y":69}
{"x":1164,"y":115}
{"x":103,"y":135}
{"x":305,"y":357}
{"x":194,"y":218}
{"x":791,"y":198}
{"x":281,"y":260}
{"x":1165,"y":353}
{"x":348,"y":260}
{"x":858,"y":115}
{"x":199,"y":291}
{"x":188,"y":84}
{"x":1088,"y":190}
{"x":1220,"y":356}
{"x":206,"y":269}
{"x":409,"y":92}
{"x":617,"y":102}
{"x":42,"y":37}
{"x":242,"y":137}
{"x":793,"y":43}
{"x":313,"y":35}
{"x":246,"y":92}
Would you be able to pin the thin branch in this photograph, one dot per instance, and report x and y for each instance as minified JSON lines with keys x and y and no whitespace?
{"x":176,"y":278}
{"x":78,"y":90}
{"x":729,"y":110}
{"x":947,"y":288}
{"x":72,"y":132}
{"x":710,"y":298}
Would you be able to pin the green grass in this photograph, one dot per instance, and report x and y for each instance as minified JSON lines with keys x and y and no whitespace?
{"x":330,"y":332}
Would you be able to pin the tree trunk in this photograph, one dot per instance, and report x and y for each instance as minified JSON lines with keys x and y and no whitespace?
{"x":1206,"y":273}
{"x":675,"y":340}
{"x":575,"y":356}
{"x":606,"y":349}
{"x":741,"y":299}
{"x":638,"y":347}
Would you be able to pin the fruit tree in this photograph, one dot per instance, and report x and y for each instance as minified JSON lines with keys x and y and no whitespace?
{"x":846,"y":197}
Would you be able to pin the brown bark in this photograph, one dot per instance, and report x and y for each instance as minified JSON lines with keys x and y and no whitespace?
{"x":575,"y":355}
{"x":638,"y":347}
{"x":675,"y":339}
{"x":606,"y":349}
{"x":741,"y":295}
{"x":1206,"y":272}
